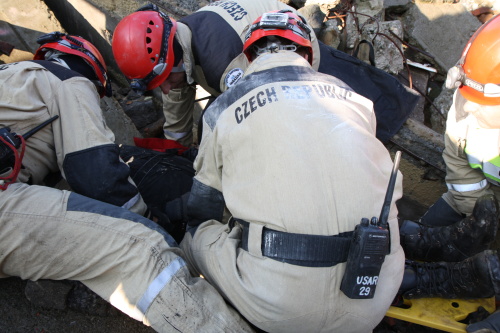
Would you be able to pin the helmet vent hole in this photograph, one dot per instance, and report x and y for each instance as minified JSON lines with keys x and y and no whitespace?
{"x":151,"y":23}
{"x":148,"y":30}
{"x":152,"y":60}
{"x":148,"y":40}
{"x":150,"y":50}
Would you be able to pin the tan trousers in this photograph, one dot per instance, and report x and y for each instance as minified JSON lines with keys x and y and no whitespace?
{"x":126,"y":259}
{"x":279,"y":297}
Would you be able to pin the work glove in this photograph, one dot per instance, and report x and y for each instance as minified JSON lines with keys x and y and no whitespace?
{"x":489,"y":325}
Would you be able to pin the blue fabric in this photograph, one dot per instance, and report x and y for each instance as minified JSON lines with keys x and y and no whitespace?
{"x":80,"y":203}
{"x":393,"y":101}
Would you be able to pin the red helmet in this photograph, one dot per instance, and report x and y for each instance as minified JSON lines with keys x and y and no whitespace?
{"x":143,"y":47}
{"x":78,"y":46}
{"x":283,"y":23}
{"x":477,"y":74}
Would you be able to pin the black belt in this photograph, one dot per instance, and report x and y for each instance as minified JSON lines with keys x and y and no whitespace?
{"x":300,"y":249}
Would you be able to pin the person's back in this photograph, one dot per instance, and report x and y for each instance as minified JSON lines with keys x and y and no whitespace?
{"x":292,"y":155}
{"x":65,"y":80}
{"x":303,"y":139}
{"x":36,"y":91}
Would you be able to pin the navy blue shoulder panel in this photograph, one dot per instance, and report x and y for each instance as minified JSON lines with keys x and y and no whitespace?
{"x":257,"y":79}
{"x":61,"y":72}
{"x":215,"y":44}
{"x":393,"y":101}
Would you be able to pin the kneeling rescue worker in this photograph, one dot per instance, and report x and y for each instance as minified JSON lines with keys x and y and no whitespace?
{"x":292,"y":154}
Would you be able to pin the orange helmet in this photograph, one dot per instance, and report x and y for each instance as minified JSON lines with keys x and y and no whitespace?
{"x":477,"y":74}
{"x":143,"y":47}
{"x":80,"y":47}
{"x":283,"y":23}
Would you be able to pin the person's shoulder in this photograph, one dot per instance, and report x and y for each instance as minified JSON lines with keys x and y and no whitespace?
{"x":19,"y":66}
{"x":59,"y":71}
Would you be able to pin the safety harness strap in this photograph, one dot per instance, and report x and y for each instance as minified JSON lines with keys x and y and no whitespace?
{"x":300,"y":249}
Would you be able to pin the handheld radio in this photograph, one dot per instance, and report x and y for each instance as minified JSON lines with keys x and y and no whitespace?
{"x":369,"y":246}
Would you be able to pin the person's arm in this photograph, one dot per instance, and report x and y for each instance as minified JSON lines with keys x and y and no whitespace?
{"x":206,"y":200}
{"x":86,"y":153}
{"x":465,"y":184}
{"x":178,"y":107}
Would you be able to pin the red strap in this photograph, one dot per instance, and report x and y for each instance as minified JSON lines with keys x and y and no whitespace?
{"x":18,"y":157}
{"x":159,"y":144}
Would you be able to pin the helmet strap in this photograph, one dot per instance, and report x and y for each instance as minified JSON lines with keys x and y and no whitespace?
{"x":141,"y":85}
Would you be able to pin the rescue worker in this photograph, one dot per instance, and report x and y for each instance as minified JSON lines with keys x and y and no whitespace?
{"x":471,"y":155}
{"x":291,"y":156}
{"x":153,"y":50}
{"x":91,"y":234}
{"x":456,"y":232}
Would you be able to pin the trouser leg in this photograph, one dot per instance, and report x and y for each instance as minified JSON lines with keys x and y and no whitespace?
{"x":440,"y":214}
{"x":178,"y":107}
{"x":454,"y":242}
{"x":474,"y":277}
{"x":123,"y":257}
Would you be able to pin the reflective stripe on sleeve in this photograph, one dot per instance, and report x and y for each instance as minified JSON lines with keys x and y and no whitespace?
{"x":159,"y":283}
{"x":467,"y":187}
{"x":492,"y":171}
{"x":174,"y":135}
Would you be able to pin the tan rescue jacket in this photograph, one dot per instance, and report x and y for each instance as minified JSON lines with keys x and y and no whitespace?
{"x":293,"y":150}
{"x":212,"y":40}
{"x":78,"y":143}
{"x":470,"y":154}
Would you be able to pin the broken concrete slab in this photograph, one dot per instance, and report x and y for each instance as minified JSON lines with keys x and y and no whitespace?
{"x":116,"y":119}
{"x":81,"y":17}
{"x":397,"y":6}
{"x":442,"y":103}
{"x":20,"y":26}
{"x":388,"y":49}
{"x":28,"y":21}
{"x":314,"y":17}
{"x":440,"y":29}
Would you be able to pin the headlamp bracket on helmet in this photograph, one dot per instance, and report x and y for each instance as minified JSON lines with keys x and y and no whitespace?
{"x":279,"y":20}
{"x":456,"y":77}
{"x":274,"y":20}
{"x":50,"y":37}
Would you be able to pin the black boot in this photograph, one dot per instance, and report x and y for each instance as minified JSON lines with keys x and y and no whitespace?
{"x":455,"y":242}
{"x":475,"y":277}
{"x":488,"y":325}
